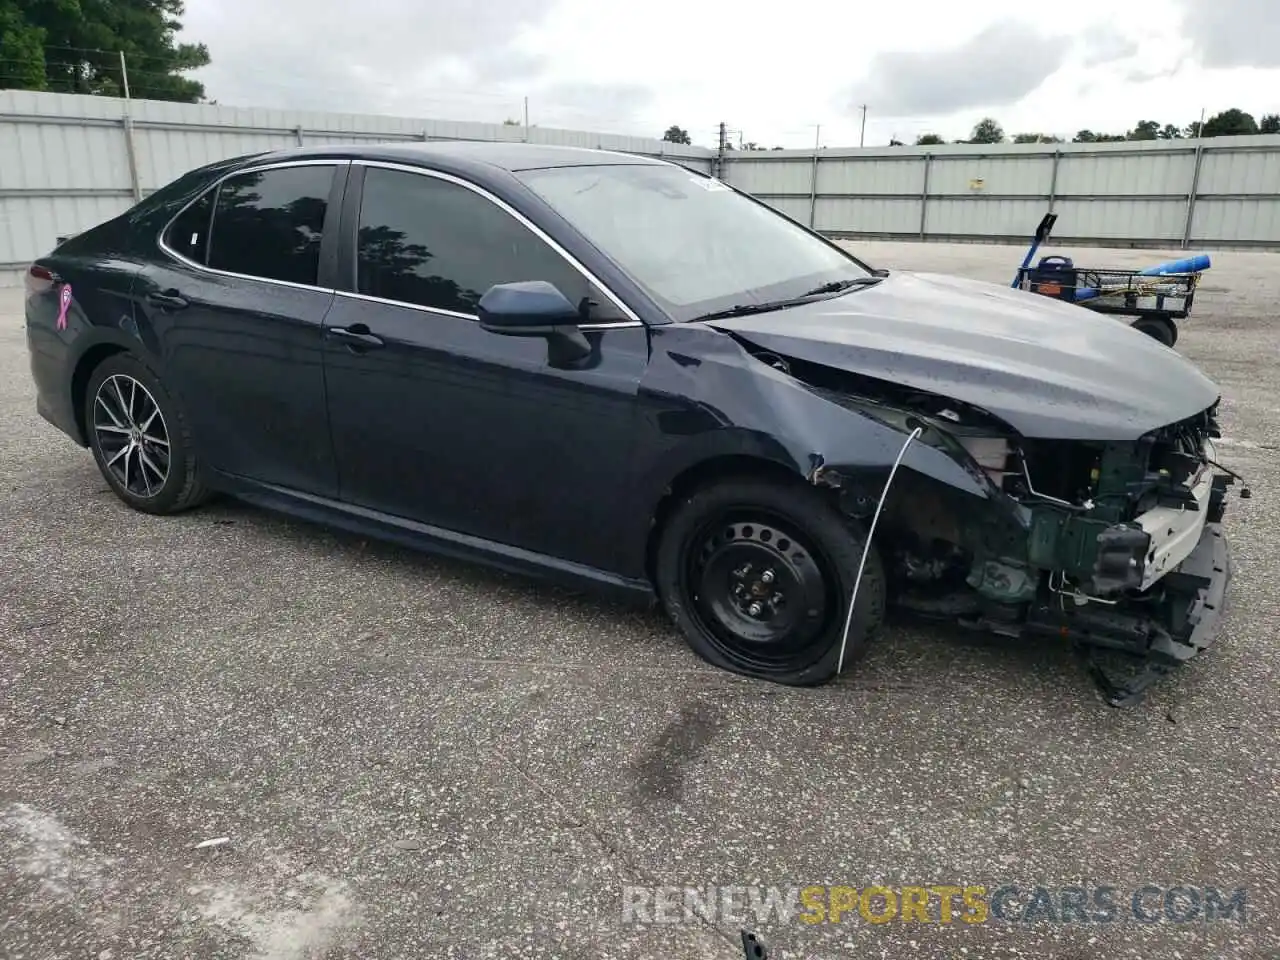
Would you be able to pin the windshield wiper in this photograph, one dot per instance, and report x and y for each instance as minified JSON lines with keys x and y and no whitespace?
{"x":836,"y":286}
{"x":746,"y":309}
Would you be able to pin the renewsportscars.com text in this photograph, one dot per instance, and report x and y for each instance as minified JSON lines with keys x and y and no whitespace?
{"x":934,"y":904}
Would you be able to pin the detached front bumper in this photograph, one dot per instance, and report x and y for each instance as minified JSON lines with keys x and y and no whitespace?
{"x":1176,"y":618}
{"x":1201,"y":581}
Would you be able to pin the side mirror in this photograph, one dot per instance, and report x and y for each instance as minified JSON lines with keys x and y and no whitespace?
{"x":536,"y":308}
{"x":527,"y":308}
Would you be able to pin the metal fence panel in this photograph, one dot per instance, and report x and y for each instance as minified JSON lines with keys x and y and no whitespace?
{"x":63,"y":156}
{"x":795,"y":208}
{"x":989,"y":175}
{"x":38,"y":215}
{"x":1219,"y":192}
{"x":986,"y":219}
{"x":68,"y":162}
{"x":1160,"y":221}
{"x":880,"y":176}
{"x":1241,"y":171}
{"x":1250,"y":221}
{"x":874,"y":215}
{"x":1125,"y":174}
{"x":765,"y":178}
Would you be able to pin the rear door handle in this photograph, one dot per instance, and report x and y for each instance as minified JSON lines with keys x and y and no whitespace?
{"x":169,"y":300}
{"x":357,"y":335}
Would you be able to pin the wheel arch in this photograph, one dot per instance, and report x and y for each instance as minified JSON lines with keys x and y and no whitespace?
{"x":89,"y":361}
{"x":705,"y":472}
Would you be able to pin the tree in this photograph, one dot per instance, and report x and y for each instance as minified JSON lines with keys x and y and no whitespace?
{"x":22,"y":62}
{"x":929,"y":140}
{"x":1230,"y":123}
{"x":1193,"y":130}
{"x":778,"y":148}
{"x":895,"y":142}
{"x":675,"y":134}
{"x":1170,"y":132}
{"x":1270,"y":123}
{"x":72,"y":46}
{"x":1088,"y":136}
{"x":987,"y":131}
{"x":1145,"y":130}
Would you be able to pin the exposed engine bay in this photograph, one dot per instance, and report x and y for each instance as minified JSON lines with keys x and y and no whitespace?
{"x":1108,"y":544}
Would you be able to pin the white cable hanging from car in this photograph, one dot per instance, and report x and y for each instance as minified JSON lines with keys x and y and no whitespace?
{"x":866,"y":546}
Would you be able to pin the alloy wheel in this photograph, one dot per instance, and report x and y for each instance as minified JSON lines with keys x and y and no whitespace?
{"x":132,"y":435}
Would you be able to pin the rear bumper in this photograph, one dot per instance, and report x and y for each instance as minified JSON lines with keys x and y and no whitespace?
{"x":52,"y":377}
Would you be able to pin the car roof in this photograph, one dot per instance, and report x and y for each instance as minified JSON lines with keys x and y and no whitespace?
{"x":466,"y":153}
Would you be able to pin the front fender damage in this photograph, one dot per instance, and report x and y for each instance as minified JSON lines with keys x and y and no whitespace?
{"x":1076,"y":555}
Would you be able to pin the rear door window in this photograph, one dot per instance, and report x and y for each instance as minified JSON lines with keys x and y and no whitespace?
{"x":269,"y":223}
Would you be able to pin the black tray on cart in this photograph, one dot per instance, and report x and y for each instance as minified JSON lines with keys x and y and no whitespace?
{"x":1124,"y":292}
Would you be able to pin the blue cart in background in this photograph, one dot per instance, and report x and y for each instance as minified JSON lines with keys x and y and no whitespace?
{"x":1156,"y":298}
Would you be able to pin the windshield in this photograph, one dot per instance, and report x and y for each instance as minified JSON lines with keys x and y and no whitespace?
{"x":689,"y":241}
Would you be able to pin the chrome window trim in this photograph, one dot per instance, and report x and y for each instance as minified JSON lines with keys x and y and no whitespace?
{"x":633,"y":320}
{"x":609,"y":325}
{"x":213,"y":188}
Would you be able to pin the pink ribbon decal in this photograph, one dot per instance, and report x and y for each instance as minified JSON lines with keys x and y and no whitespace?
{"x":64,"y":302}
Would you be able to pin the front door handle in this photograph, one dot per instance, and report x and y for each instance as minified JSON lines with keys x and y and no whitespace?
{"x":169,"y":300}
{"x":357,"y":334}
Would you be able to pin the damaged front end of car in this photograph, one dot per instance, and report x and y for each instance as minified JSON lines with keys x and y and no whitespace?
{"x":1110,"y":545}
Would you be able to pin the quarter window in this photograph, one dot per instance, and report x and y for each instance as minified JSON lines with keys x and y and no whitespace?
{"x":433,"y":243}
{"x":268,"y":223}
{"x":188,"y":235}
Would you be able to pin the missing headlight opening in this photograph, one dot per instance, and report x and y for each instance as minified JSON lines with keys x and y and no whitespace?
{"x":1108,"y":544}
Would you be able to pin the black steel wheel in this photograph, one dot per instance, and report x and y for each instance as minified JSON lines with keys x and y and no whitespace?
{"x":758,"y":576}
{"x":139,"y":438}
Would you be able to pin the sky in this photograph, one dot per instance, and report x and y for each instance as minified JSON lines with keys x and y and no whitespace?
{"x":780,"y":74}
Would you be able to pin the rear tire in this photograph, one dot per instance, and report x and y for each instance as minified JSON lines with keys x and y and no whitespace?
{"x":140,"y":438}
{"x":1158,"y":329}
{"x":758,"y":575}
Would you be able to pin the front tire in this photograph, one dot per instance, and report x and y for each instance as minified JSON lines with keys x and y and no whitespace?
{"x":758,"y":575}
{"x":139,"y":438}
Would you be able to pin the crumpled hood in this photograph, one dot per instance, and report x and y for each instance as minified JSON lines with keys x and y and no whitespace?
{"x":1049,"y":369}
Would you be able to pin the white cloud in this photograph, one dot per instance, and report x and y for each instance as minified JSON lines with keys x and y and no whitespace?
{"x":771,"y":71}
{"x":1234,"y":33}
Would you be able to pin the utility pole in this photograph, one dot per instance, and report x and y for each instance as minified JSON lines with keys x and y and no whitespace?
{"x":813,"y":177}
{"x":126,"y":121}
{"x":526,"y":119}
{"x":124,"y":75}
{"x":720,"y":151}
{"x":862,"y":137}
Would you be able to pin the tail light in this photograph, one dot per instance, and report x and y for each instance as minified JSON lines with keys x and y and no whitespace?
{"x":38,"y":280}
